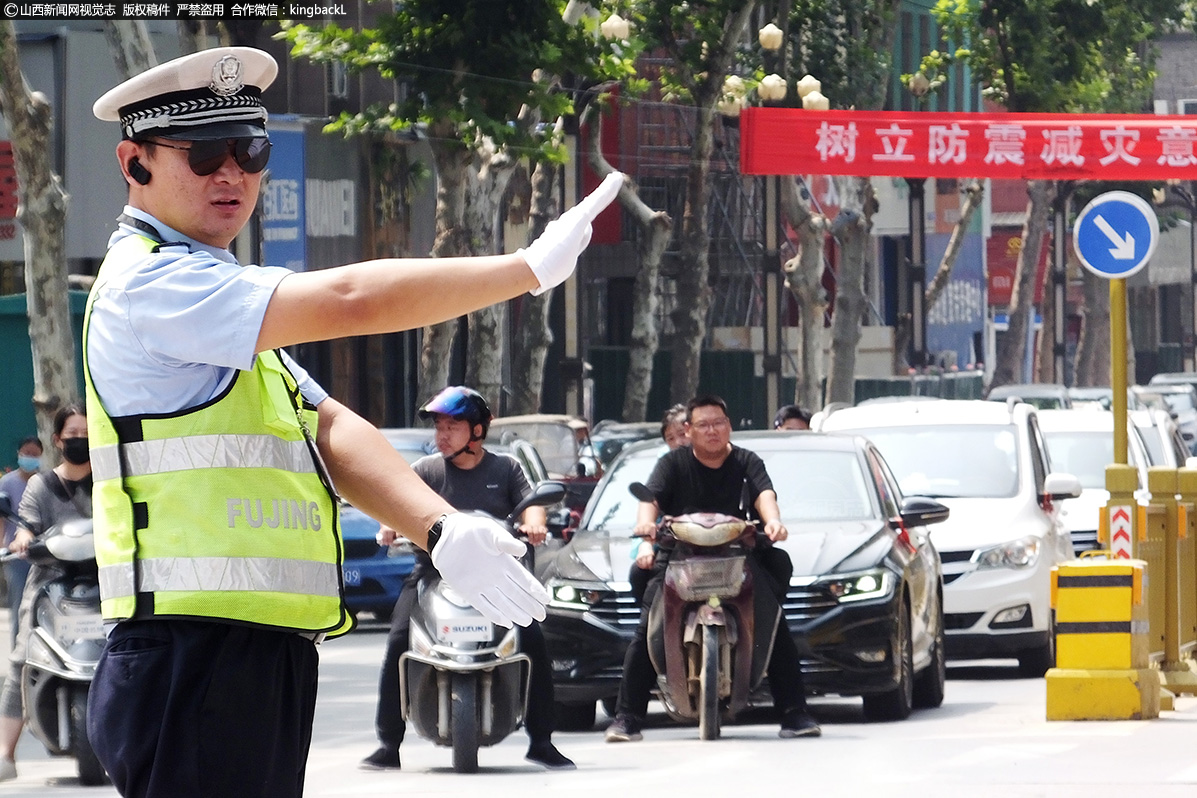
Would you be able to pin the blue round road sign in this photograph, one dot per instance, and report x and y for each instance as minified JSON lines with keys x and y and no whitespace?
{"x":1116,"y":234}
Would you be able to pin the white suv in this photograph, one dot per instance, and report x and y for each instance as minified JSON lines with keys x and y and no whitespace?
{"x":1081,"y":442}
{"x":988,"y":462}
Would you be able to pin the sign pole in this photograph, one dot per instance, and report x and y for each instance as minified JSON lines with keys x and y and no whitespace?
{"x":1118,"y":365}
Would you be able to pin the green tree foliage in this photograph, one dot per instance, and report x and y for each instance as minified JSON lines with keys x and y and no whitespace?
{"x":846,"y":44}
{"x":1071,"y":56}
{"x":466,"y":69}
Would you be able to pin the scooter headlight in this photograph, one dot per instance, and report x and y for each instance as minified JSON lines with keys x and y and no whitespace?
{"x":419,"y":640}
{"x":509,"y":645}
{"x":39,"y":653}
{"x":45,"y":614}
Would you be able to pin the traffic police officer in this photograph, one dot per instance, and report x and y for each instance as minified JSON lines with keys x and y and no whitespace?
{"x":217,"y":460}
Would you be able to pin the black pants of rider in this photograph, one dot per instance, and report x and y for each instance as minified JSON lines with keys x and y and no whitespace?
{"x":388,"y":721}
{"x":197,"y":709}
{"x":772,"y":567}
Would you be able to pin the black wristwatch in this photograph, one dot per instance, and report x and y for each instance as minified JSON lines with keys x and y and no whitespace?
{"x":434,"y":533}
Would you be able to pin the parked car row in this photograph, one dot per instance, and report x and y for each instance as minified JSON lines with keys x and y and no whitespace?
{"x":921,"y":530}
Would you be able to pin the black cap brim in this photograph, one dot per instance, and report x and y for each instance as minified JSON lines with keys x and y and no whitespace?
{"x":224,"y":130}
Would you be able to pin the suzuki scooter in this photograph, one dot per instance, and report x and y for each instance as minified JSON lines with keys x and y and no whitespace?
{"x":708,"y":640}
{"x":463,"y":682}
{"x":65,"y":641}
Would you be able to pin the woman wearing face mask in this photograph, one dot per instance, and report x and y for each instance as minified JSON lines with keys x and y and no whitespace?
{"x":51,"y":497}
{"x":12,"y":485}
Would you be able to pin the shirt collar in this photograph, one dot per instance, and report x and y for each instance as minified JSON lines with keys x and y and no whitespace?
{"x":168,"y":234}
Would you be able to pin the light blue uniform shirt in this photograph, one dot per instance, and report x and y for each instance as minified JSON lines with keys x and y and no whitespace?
{"x":169,"y":331}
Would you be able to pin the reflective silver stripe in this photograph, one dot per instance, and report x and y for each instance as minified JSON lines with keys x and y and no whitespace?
{"x":202,"y":451}
{"x":105,"y":463}
{"x":195,"y":574}
{"x":116,"y":581}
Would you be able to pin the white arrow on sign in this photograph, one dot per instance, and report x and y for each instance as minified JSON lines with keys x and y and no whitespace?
{"x":1123,"y":249}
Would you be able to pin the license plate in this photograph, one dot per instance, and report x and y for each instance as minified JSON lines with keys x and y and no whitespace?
{"x":78,"y":627}
{"x":353,"y":577}
{"x":465,"y":631}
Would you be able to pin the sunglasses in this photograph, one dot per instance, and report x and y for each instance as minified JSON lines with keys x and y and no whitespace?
{"x":205,"y":157}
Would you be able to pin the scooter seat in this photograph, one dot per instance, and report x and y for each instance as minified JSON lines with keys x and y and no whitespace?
{"x":707,"y":529}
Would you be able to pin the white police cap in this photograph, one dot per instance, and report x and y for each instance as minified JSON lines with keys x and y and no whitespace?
{"x":212,"y":94}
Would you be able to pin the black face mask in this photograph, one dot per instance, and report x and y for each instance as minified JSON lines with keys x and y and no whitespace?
{"x":75,"y":450}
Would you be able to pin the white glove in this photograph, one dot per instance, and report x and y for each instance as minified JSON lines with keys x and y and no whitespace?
{"x":477,"y":557}
{"x":553,"y":255}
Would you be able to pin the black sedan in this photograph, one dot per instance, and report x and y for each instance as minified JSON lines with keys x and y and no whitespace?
{"x":865,"y":604}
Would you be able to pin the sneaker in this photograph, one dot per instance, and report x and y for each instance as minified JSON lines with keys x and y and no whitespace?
{"x":8,"y":769}
{"x":799,"y":723}
{"x":624,"y":729}
{"x":385,"y":758}
{"x":547,"y":755}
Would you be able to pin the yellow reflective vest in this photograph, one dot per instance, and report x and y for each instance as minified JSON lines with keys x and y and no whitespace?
{"x":221,"y":511}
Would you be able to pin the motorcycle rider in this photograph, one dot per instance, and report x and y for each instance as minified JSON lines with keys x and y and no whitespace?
{"x":52,"y":497}
{"x":470,"y":478}
{"x":675,"y":434}
{"x":713,"y":475}
{"x":12,"y":485}
{"x":792,"y":417}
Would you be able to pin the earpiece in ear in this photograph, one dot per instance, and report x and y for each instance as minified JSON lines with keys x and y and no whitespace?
{"x":138,"y":172}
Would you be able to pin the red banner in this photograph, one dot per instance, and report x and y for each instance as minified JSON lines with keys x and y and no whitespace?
{"x":791,"y":141}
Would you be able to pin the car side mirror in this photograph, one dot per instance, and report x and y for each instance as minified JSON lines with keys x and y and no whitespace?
{"x":1061,"y":486}
{"x":920,"y":511}
{"x":559,"y":521}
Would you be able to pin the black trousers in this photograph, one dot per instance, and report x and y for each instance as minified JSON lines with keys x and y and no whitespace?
{"x":388,"y":721}
{"x":772,"y":569}
{"x":196,"y":709}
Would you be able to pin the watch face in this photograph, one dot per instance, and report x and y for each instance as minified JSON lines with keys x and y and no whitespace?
{"x":434,"y":534}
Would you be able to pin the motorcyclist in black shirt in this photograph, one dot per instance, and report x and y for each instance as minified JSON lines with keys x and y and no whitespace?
{"x":470,"y":478}
{"x":712,"y":475}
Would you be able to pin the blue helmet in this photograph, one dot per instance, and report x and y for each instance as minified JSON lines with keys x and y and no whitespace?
{"x":459,"y":402}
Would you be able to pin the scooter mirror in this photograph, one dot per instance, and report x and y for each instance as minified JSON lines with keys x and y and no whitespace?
{"x":5,"y":505}
{"x":545,"y":494}
{"x":642,"y":492}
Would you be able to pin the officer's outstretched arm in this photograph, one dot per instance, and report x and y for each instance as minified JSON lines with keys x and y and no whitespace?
{"x":477,"y":556}
{"x":382,"y":296}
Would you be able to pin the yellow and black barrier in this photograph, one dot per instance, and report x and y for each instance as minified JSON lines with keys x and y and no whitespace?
{"x":1173,"y":487}
{"x":1103,"y":662}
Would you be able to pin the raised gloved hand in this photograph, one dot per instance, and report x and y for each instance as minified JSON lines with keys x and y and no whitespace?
{"x":553,"y":255}
{"x":477,"y":557}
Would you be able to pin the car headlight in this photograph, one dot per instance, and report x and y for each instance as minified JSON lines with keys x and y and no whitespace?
{"x":574,"y":595}
{"x":1021,"y":553}
{"x":873,"y":584}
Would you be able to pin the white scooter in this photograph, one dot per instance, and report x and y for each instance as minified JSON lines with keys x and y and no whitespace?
{"x":65,"y":642}
{"x":464,"y":681}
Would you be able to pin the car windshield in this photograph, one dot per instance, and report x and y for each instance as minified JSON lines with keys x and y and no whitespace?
{"x":557,"y":443}
{"x":1082,"y":454}
{"x":1179,"y":402}
{"x":1154,"y":443}
{"x":1174,"y":403}
{"x":950,"y":461}
{"x":811,"y":485}
{"x":411,"y":447}
{"x":615,"y":507}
